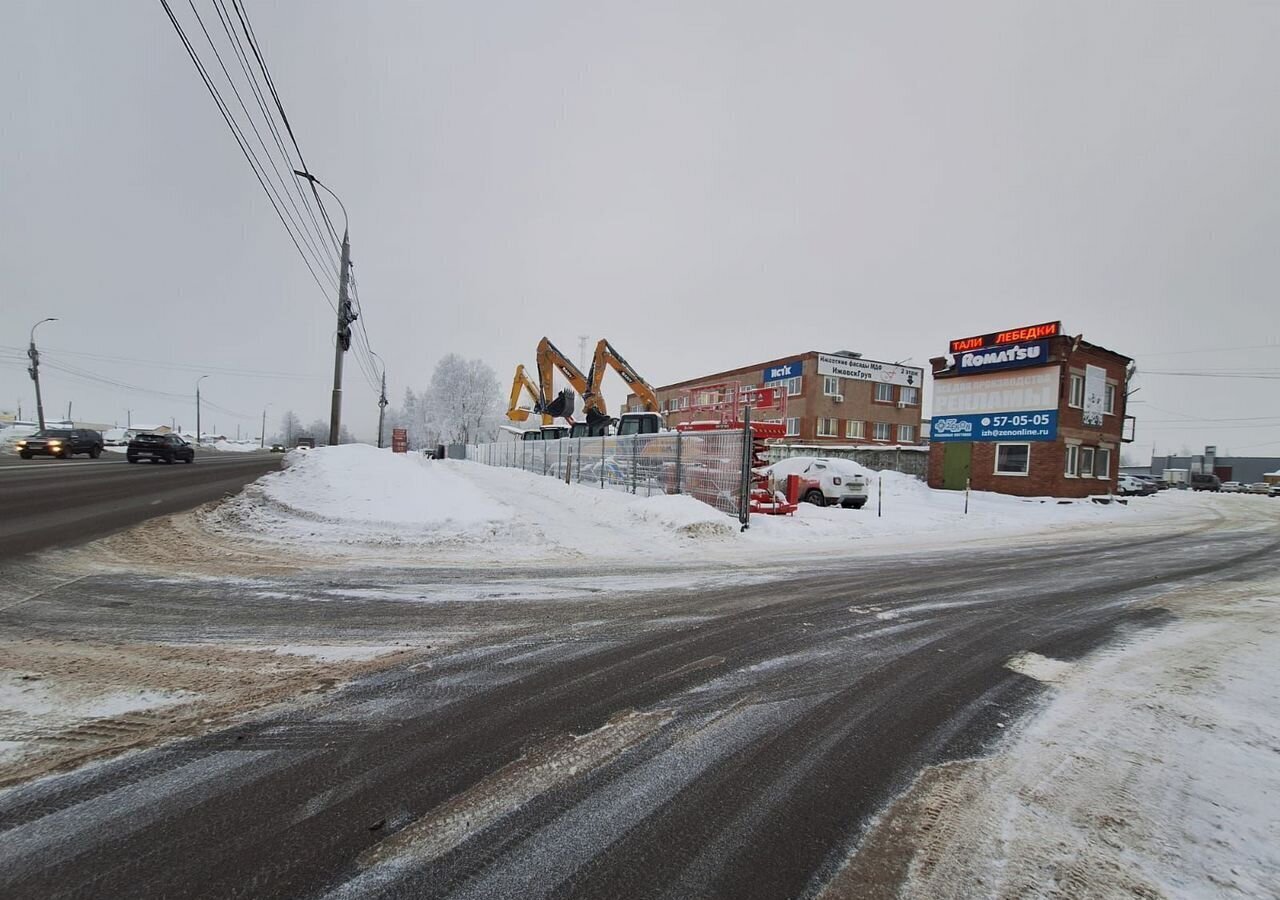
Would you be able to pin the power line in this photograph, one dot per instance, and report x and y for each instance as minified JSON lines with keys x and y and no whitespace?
{"x":180,"y":367}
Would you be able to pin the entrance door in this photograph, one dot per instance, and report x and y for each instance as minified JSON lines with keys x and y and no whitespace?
{"x":955,"y":465}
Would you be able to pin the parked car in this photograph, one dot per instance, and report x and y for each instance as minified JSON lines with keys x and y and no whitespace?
{"x":1258,"y":487}
{"x":1232,"y":487}
{"x":833,"y":481}
{"x":1160,"y":483}
{"x":167,"y":448}
{"x":1131,"y":485}
{"x":61,"y":442}
{"x":1205,"y":481}
{"x":1273,"y":490}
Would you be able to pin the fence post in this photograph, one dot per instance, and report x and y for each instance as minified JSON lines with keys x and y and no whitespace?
{"x":744,"y":493}
{"x":602,"y":464}
{"x":579,"y":459}
{"x":635,"y":443}
{"x":679,"y":435}
{"x":559,"y":456}
{"x":522,"y":454}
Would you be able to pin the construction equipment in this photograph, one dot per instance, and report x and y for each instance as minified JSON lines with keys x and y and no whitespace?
{"x":516,"y":412}
{"x":549,"y":359}
{"x":648,"y":421}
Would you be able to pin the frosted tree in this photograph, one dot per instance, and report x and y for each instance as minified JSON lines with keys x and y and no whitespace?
{"x":290,"y":427}
{"x":463,"y":400}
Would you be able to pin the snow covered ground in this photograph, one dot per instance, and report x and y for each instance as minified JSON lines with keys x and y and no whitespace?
{"x":341,"y":499}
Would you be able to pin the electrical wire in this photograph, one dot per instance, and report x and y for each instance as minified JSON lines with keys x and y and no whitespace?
{"x":178,"y":367}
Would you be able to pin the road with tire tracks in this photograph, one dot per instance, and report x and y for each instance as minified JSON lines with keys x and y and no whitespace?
{"x":47,"y":502}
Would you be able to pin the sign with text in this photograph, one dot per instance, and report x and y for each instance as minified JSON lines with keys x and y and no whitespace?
{"x":782,"y":371}
{"x":869,"y":370}
{"x":1095,"y":389}
{"x":1029,"y":425}
{"x":1011,"y":336}
{"x":993,"y":359}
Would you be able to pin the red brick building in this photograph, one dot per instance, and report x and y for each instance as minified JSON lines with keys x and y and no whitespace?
{"x":832,"y":398}
{"x":1030,"y":412}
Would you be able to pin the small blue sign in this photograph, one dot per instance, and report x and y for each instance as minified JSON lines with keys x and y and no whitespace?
{"x":1035,"y":425}
{"x":783,"y":371}
{"x":1009,"y":357}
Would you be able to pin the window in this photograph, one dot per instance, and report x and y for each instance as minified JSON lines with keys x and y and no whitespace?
{"x":793,"y":427}
{"x":1102,"y":463}
{"x":906,"y":434}
{"x":884,"y":393}
{"x":1109,"y":404}
{"x":909,"y":396}
{"x":854,"y":429}
{"x":1073,"y":461}
{"x":827,"y":428}
{"x":1086,"y":462}
{"x":1013,"y":459}
{"x":883,"y":432}
{"x":794,"y":386}
{"x":830,"y":386}
{"x":1077,"y":392}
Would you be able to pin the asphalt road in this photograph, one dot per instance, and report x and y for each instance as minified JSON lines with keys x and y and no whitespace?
{"x":728,"y":741}
{"x":55,"y":503}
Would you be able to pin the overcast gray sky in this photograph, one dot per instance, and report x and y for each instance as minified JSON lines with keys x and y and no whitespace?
{"x":706,"y":184}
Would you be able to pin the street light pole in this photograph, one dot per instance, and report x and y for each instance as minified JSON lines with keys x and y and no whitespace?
{"x":346,"y":314}
{"x":198,"y":380}
{"x":262,"y":442}
{"x":34,"y":370}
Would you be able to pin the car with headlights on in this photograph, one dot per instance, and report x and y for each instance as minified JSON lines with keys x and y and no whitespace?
{"x":63,"y":443}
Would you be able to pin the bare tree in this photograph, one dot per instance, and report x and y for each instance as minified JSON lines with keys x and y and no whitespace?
{"x":463,"y":400}
{"x":290,"y":427}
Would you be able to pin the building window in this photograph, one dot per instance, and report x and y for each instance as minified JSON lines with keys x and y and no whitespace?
{"x":1110,"y":403}
{"x":827,"y":428}
{"x":830,"y":386}
{"x":1077,"y":392}
{"x":882,"y":432}
{"x":884,"y":393}
{"x":794,"y":386}
{"x":1102,"y":463}
{"x":1086,"y":462}
{"x":1073,"y":461}
{"x":906,"y":434}
{"x":1013,"y":459}
{"x":854,"y":429}
{"x":909,"y":396}
{"x":793,"y":427}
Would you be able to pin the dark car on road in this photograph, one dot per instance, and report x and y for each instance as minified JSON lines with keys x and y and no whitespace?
{"x":61,"y":442}
{"x":160,"y":448}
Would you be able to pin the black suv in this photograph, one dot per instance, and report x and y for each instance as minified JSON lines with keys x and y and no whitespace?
{"x":157,"y":447}
{"x":61,"y":442}
{"x":1205,"y":481}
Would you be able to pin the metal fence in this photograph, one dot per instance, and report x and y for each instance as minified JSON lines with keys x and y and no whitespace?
{"x":707,"y":465}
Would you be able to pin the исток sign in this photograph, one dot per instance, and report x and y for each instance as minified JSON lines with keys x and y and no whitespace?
{"x":782,"y":371}
{"x":1011,"y":336}
{"x":869,"y":370}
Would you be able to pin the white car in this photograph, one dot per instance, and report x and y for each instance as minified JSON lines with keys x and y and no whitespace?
{"x":838,"y":480}
{"x":1232,"y":487}
{"x":1127,"y":485}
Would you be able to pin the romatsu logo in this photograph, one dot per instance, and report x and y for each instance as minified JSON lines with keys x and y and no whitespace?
{"x":998,"y":357}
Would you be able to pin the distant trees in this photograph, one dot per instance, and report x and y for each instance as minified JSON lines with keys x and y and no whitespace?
{"x":290,"y":427}
{"x":461,"y":404}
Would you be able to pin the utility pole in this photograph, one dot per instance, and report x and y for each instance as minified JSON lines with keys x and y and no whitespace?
{"x":262,"y":441}
{"x":198,"y":380}
{"x":582,"y":351}
{"x":346,"y":315}
{"x":68,"y":411}
{"x":382,"y":406}
{"x":34,"y":369}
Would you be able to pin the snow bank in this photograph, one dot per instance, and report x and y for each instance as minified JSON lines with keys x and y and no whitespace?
{"x":457,"y":511}
{"x":234,"y":446}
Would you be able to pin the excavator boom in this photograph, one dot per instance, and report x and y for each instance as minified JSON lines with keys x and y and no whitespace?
{"x":522,"y":383}
{"x":606,"y":355}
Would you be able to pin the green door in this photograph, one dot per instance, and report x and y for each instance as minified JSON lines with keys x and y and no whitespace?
{"x":955,"y":465}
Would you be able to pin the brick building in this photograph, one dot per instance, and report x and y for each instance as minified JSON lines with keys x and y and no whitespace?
{"x":832,"y":398}
{"x":1029,"y":411}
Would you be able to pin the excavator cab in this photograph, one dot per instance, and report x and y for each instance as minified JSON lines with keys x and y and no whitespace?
{"x":554,"y":432}
{"x":639,"y":423}
{"x":533,"y":434}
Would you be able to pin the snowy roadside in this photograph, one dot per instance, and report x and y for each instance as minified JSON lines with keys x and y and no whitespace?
{"x":358,"y":502}
{"x":1152,"y":771}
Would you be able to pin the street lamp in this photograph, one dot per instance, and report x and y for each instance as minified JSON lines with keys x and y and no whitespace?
{"x":198,"y":380}
{"x":346,"y":315}
{"x":34,"y":370}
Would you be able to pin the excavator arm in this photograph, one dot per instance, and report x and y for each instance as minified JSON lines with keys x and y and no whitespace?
{"x":523,"y":383}
{"x":549,"y":360}
{"x":593,"y":400}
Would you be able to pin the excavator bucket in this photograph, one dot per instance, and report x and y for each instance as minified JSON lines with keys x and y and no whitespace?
{"x":598,"y":423}
{"x":562,"y":406}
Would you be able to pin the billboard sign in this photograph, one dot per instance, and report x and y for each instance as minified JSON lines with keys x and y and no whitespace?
{"x":1013,"y":356}
{"x":782,"y":371}
{"x":869,"y":370}
{"x":1004,"y":338}
{"x":997,"y":407}
{"x":1095,"y":390}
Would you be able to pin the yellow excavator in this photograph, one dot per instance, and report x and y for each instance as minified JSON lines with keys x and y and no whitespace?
{"x":516,"y":412}
{"x":648,"y":421}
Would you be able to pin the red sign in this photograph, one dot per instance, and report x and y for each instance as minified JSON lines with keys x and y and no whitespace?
{"x":1012,"y":336}
{"x":399,"y":440}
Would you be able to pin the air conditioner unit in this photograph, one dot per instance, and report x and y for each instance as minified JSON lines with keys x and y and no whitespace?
{"x":837,"y":398}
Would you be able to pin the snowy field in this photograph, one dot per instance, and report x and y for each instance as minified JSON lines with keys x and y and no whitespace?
{"x":357,"y":500}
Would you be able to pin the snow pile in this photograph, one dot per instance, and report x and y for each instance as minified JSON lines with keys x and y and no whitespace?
{"x":456,"y":511}
{"x":233,"y":446}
